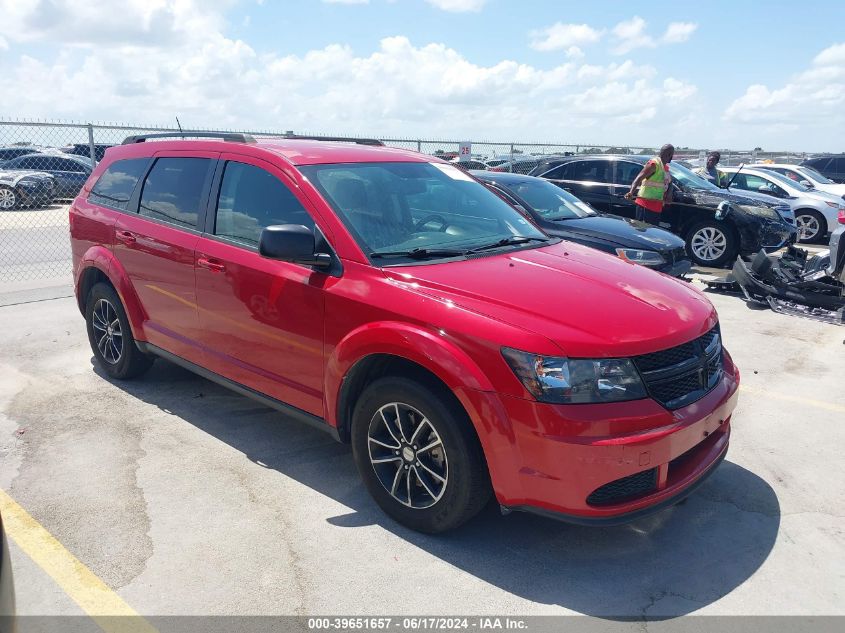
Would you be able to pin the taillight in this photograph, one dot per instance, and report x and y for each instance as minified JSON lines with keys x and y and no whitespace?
{"x":841,"y":216}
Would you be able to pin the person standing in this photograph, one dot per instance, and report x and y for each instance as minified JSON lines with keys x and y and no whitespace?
{"x":711,"y":172}
{"x":652,"y":186}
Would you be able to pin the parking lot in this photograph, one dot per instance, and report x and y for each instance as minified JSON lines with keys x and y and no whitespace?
{"x":184,"y":498}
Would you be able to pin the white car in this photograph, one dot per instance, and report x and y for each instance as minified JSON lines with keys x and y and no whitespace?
{"x":816,"y":212}
{"x":807,"y":176}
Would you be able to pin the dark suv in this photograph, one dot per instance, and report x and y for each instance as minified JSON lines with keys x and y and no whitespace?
{"x":395,"y":302}
{"x":715,"y":233}
{"x":832,"y":167}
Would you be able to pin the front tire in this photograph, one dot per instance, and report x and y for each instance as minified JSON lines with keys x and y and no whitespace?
{"x":9,"y":198}
{"x":712,"y":244}
{"x":110,"y":335}
{"x":418,"y":455}
{"x":811,"y":225}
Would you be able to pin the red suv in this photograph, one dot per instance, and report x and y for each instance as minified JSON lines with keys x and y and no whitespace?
{"x":392,"y":300}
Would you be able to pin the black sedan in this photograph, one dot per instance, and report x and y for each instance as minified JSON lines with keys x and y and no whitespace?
{"x":70,"y":171}
{"x":561,"y":214}
{"x":717,"y":224}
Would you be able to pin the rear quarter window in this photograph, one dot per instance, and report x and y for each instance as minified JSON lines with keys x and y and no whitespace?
{"x":114,"y":187}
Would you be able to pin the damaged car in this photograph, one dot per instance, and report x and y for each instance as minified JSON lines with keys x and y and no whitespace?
{"x":25,"y":189}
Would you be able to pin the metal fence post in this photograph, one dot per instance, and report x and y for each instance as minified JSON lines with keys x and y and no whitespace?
{"x":419,"y":147}
{"x":510,"y":162}
{"x":91,"y":144}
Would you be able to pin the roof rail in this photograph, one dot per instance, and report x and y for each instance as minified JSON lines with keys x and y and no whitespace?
{"x":234,"y":137}
{"x":343,"y":139}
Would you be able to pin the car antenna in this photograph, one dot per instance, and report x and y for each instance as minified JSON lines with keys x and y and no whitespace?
{"x":180,"y":128}
{"x":735,"y":174}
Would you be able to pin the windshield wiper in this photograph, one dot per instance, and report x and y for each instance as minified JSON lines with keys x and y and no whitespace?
{"x":508,"y":241}
{"x":418,"y":253}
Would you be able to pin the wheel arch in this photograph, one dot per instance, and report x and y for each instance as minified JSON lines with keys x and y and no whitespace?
{"x":388,"y":348}
{"x":100,"y":265}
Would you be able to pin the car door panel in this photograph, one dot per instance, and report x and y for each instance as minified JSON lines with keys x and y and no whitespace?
{"x":261,"y":319}
{"x":624,"y":174}
{"x":158,"y":254}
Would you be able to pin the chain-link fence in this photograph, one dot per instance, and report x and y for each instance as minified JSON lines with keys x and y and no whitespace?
{"x":43,"y":165}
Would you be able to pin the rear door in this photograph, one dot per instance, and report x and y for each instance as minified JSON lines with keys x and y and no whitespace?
{"x":589,"y":180}
{"x":625,"y":173}
{"x":155,"y":244}
{"x":261,"y":319}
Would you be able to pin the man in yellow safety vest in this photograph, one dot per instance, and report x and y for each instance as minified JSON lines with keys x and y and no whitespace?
{"x":652,"y":186}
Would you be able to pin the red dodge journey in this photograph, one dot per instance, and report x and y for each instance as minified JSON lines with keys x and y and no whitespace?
{"x":392,"y":300}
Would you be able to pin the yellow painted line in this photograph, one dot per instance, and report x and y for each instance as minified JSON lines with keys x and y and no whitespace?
{"x":94,"y":596}
{"x":830,"y":406}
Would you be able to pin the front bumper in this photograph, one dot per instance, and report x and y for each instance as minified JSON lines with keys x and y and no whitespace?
{"x":677,"y":269}
{"x":561,"y":455}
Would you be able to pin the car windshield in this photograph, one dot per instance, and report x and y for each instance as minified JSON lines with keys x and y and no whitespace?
{"x":549,"y":200}
{"x":690,"y":180}
{"x":419,"y":210}
{"x":814,"y":175}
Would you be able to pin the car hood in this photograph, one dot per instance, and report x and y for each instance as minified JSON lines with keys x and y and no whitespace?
{"x":13,"y":176}
{"x":589,"y":303}
{"x":622,"y":232}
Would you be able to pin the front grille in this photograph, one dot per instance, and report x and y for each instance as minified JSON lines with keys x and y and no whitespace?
{"x":635,"y":485}
{"x":680,"y":375}
{"x":677,"y":255}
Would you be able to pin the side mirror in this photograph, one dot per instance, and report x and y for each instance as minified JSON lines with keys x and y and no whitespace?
{"x":722,"y":210}
{"x":807,"y":184}
{"x":292,"y":243}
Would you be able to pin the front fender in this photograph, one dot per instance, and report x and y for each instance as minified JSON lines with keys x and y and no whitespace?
{"x":103,"y":259}
{"x":422,"y":346}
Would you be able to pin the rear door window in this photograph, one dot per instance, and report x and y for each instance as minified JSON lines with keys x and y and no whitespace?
{"x":173,"y":190}
{"x":252,"y":199}
{"x":591,"y":171}
{"x":115,"y":186}
{"x":626,"y":172}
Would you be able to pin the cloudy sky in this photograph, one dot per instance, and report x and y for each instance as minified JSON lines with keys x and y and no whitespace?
{"x":708,"y":74}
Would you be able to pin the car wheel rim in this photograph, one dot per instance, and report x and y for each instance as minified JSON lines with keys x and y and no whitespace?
{"x":709,"y":243}
{"x":407,"y":455}
{"x":808,"y":226}
{"x":7,"y":199}
{"x":108,"y":334}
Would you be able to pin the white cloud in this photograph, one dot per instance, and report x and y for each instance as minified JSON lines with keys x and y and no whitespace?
{"x":814,"y":98}
{"x":559,"y":36}
{"x":678,"y":32}
{"x":209,"y":79}
{"x":632,"y":34}
{"x":459,"y":6}
{"x":678,"y":90}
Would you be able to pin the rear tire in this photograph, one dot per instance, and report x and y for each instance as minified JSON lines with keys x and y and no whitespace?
{"x":428,"y":471}
{"x":811,"y":225}
{"x":110,"y":335}
{"x":712,"y":244}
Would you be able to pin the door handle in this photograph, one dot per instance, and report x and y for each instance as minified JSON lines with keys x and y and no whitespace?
{"x":211,"y":264}
{"x":126,"y":237}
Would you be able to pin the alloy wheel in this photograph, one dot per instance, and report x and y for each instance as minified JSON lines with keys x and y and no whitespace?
{"x":107,"y":331}
{"x":709,"y":243}
{"x":808,"y":227}
{"x":407,"y":455}
{"x":8,"y":199}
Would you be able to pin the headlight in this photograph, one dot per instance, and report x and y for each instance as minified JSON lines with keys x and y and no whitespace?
{"x":646,"y":258}
{"x":763,"y":212}
{"x":561,"y":380}
{"x":835,"y":205}
{"x":28,"y":182}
